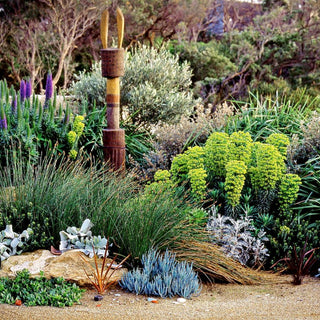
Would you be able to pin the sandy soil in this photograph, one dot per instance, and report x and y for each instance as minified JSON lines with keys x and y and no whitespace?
{"x":219,"y":301}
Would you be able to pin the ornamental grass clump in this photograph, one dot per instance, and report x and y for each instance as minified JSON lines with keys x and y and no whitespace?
{"x":162,"y":276}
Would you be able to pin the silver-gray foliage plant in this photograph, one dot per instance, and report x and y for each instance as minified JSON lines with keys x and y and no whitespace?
{"x":236,"y":239}
{"x":82,"y":239}
{"x":162,"y":276}
{"x":11,"y":243}
{"x":155,"y":86}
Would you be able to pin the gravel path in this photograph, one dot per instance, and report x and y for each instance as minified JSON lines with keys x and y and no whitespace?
{"x":272,"y":301}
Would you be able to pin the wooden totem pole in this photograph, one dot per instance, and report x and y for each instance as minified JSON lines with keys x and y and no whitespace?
{"x":113,"y":68}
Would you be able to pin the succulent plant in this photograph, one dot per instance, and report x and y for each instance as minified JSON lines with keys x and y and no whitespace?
{"x":162,"y":276}
{"x":12,"y":243}
{"x":81,"y":238}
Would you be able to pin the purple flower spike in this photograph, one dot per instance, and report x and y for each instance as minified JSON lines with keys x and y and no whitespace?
{"x":49,"y":87}
{"x":22,"y":90}
{"x":28,"y":89}
{"x":3,"y":120}
{"x":14,"y":104}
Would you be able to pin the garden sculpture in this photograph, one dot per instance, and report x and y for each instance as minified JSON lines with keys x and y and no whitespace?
{"x":112,"y":69}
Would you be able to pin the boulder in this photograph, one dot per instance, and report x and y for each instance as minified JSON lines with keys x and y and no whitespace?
{"x":68,"y":265}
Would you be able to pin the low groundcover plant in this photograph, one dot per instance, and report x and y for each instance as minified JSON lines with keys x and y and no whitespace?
{"x":39,"y":291}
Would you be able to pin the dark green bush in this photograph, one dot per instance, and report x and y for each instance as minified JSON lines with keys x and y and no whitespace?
{"x":205,"y":59}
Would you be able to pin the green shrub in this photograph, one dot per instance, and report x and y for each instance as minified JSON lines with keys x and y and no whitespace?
{"x":198,"y":183}
{"x":183,"y":163}
{"x":205,"y":59}
{"x":217,"y":153}
{"x":39,"y":291}
{"x":235,"y":178}
{"x":288,"y":190}
{"x":240,"y":146}
{"x":161,"y":182}
{"x":262,"y":163}
{"x":280,"y":141}
{"x":266,"y":166}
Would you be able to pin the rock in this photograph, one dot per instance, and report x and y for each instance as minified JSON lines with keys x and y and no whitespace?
{"x":68,"y":265}
{"x":98,"y":297}
{"x":181,"y":300}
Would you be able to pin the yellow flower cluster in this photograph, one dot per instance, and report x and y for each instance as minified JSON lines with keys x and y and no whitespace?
{"x":73,"y":154}
{"x":78,"y":125}
{"x":73,"y":135}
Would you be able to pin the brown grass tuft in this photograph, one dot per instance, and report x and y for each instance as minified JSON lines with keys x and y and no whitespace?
{"x":210,"y":261}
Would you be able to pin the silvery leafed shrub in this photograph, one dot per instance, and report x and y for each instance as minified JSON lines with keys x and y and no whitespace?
{"x":162,"y":276}
{"x":155,"y":86}
{"x":237,"y":240}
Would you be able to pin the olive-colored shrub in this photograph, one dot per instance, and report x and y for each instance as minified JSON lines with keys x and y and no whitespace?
{"x":155,"y":87}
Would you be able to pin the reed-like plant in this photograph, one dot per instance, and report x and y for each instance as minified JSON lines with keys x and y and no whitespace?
{"x":55,"y":194}
{"x":262,"y":116}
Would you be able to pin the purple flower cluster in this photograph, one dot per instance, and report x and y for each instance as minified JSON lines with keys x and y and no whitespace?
{"x":3,"y":119}
{"x":25,"y":90}
{"x":49,"y":87}
{"x":22,"y":90}
{"x":28,"y":89}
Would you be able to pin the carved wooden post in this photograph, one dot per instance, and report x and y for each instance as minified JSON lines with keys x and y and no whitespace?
{"x":113,"y":68}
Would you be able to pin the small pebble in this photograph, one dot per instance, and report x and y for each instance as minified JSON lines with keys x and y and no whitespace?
{"x":181,"y":300}
{"x":117,"y":295}
{"x":98,"y":297}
